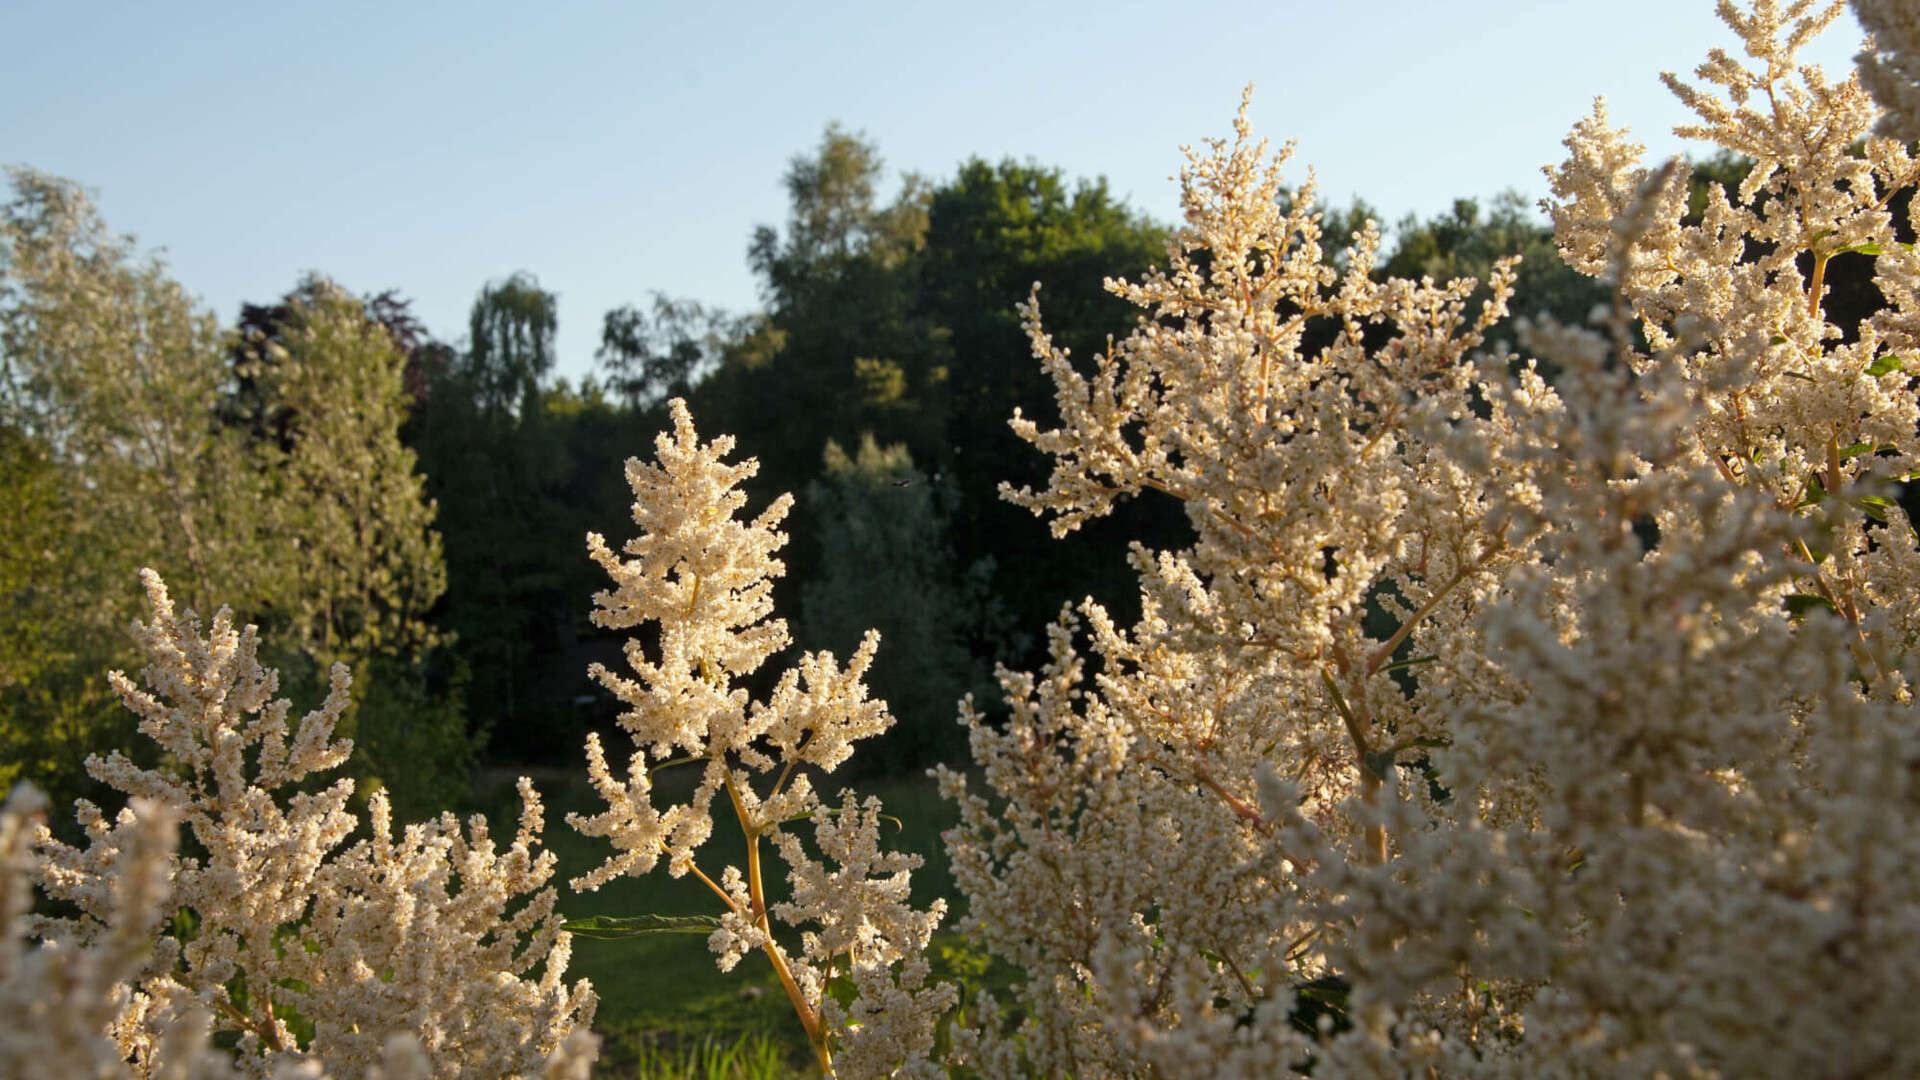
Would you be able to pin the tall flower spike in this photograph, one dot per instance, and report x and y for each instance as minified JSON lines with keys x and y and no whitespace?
{"x":701,"y":574}
{"x":705,"y":579}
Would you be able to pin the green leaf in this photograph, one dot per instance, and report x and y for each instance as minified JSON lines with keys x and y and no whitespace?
{"x":1325,"y":996}
{"x":1798,"y":604}
{"x":1423,"y":742}
{"x":1380,"y":764}
{"x":185,"y":925}
{"x":613,"y":927}
{"x":1410,"y":663}
{"x":1857,"y":449}
{"x":1865,"y":247}
{"x":1874,"y":506}
{"x":843,"y":990}
{"x":1885,"y":365}
{"x":1816,"y":493}
{"x":834,"y":811}
{"x":1797,"y":375}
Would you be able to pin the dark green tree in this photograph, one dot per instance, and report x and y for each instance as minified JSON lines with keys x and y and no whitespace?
{"x":840,"y":350}
{"x":993,"y":231}
{"x":835,"y":221}
{"x":648,"y":358}
{"x":1467,"y":240}
{"x":522,"y":469}
{"x":482,"y":446}
{"x":886,"y":563}
{"x":510,"y":344}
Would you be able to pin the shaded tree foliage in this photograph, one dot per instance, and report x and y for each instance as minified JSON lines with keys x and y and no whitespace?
{"x":1468,"y":239}
{"x":521,"y":470}
{"x":510,"y":344}
{"x":134,"y":437}
{"x":841,"y":349}
{"x":887,"y":563}
{"x":650,"y":357}
{"x":897,"y":320}
{"x":993,"y":232}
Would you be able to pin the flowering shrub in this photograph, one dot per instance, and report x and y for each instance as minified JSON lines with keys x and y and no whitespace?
{"x":1628,"y":783}
{"x":705,"y":579}
{"x":271,"y":924}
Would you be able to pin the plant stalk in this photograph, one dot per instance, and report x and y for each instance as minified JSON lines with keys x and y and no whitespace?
{"x":809,"y":1017}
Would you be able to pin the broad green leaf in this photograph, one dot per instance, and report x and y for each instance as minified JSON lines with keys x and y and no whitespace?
{"x":611,"y":927}
{"x":843,"y":990}
{"x":1874,"y":506}
{"x":1885,"y":365}
{"x":834,"y":811}
{"x":1325,"y":996}
{"x":1868,"y":247}
{"x":1816,"y":493}
{"x":1798,"y":604}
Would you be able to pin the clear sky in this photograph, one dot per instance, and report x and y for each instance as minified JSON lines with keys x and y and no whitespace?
{"x":618,"y":149}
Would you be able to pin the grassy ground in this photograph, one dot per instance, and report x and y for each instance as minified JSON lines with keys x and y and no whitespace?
{"x":665,"y":1009}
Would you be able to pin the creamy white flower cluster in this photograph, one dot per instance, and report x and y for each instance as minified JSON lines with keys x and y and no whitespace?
{"x":1493,"y":725}
{"x":387,"y":938}
{"x":1293,"y":407}
{"x":704,"y":579}
{"x":57,"y":1004}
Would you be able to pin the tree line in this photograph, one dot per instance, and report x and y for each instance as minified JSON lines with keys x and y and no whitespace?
{"x":416,"y":508}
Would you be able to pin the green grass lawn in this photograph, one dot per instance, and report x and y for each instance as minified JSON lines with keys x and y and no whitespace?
{"x":665,"y":1009}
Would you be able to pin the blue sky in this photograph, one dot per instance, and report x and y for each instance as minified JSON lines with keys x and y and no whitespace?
{"x":617,"y":149}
